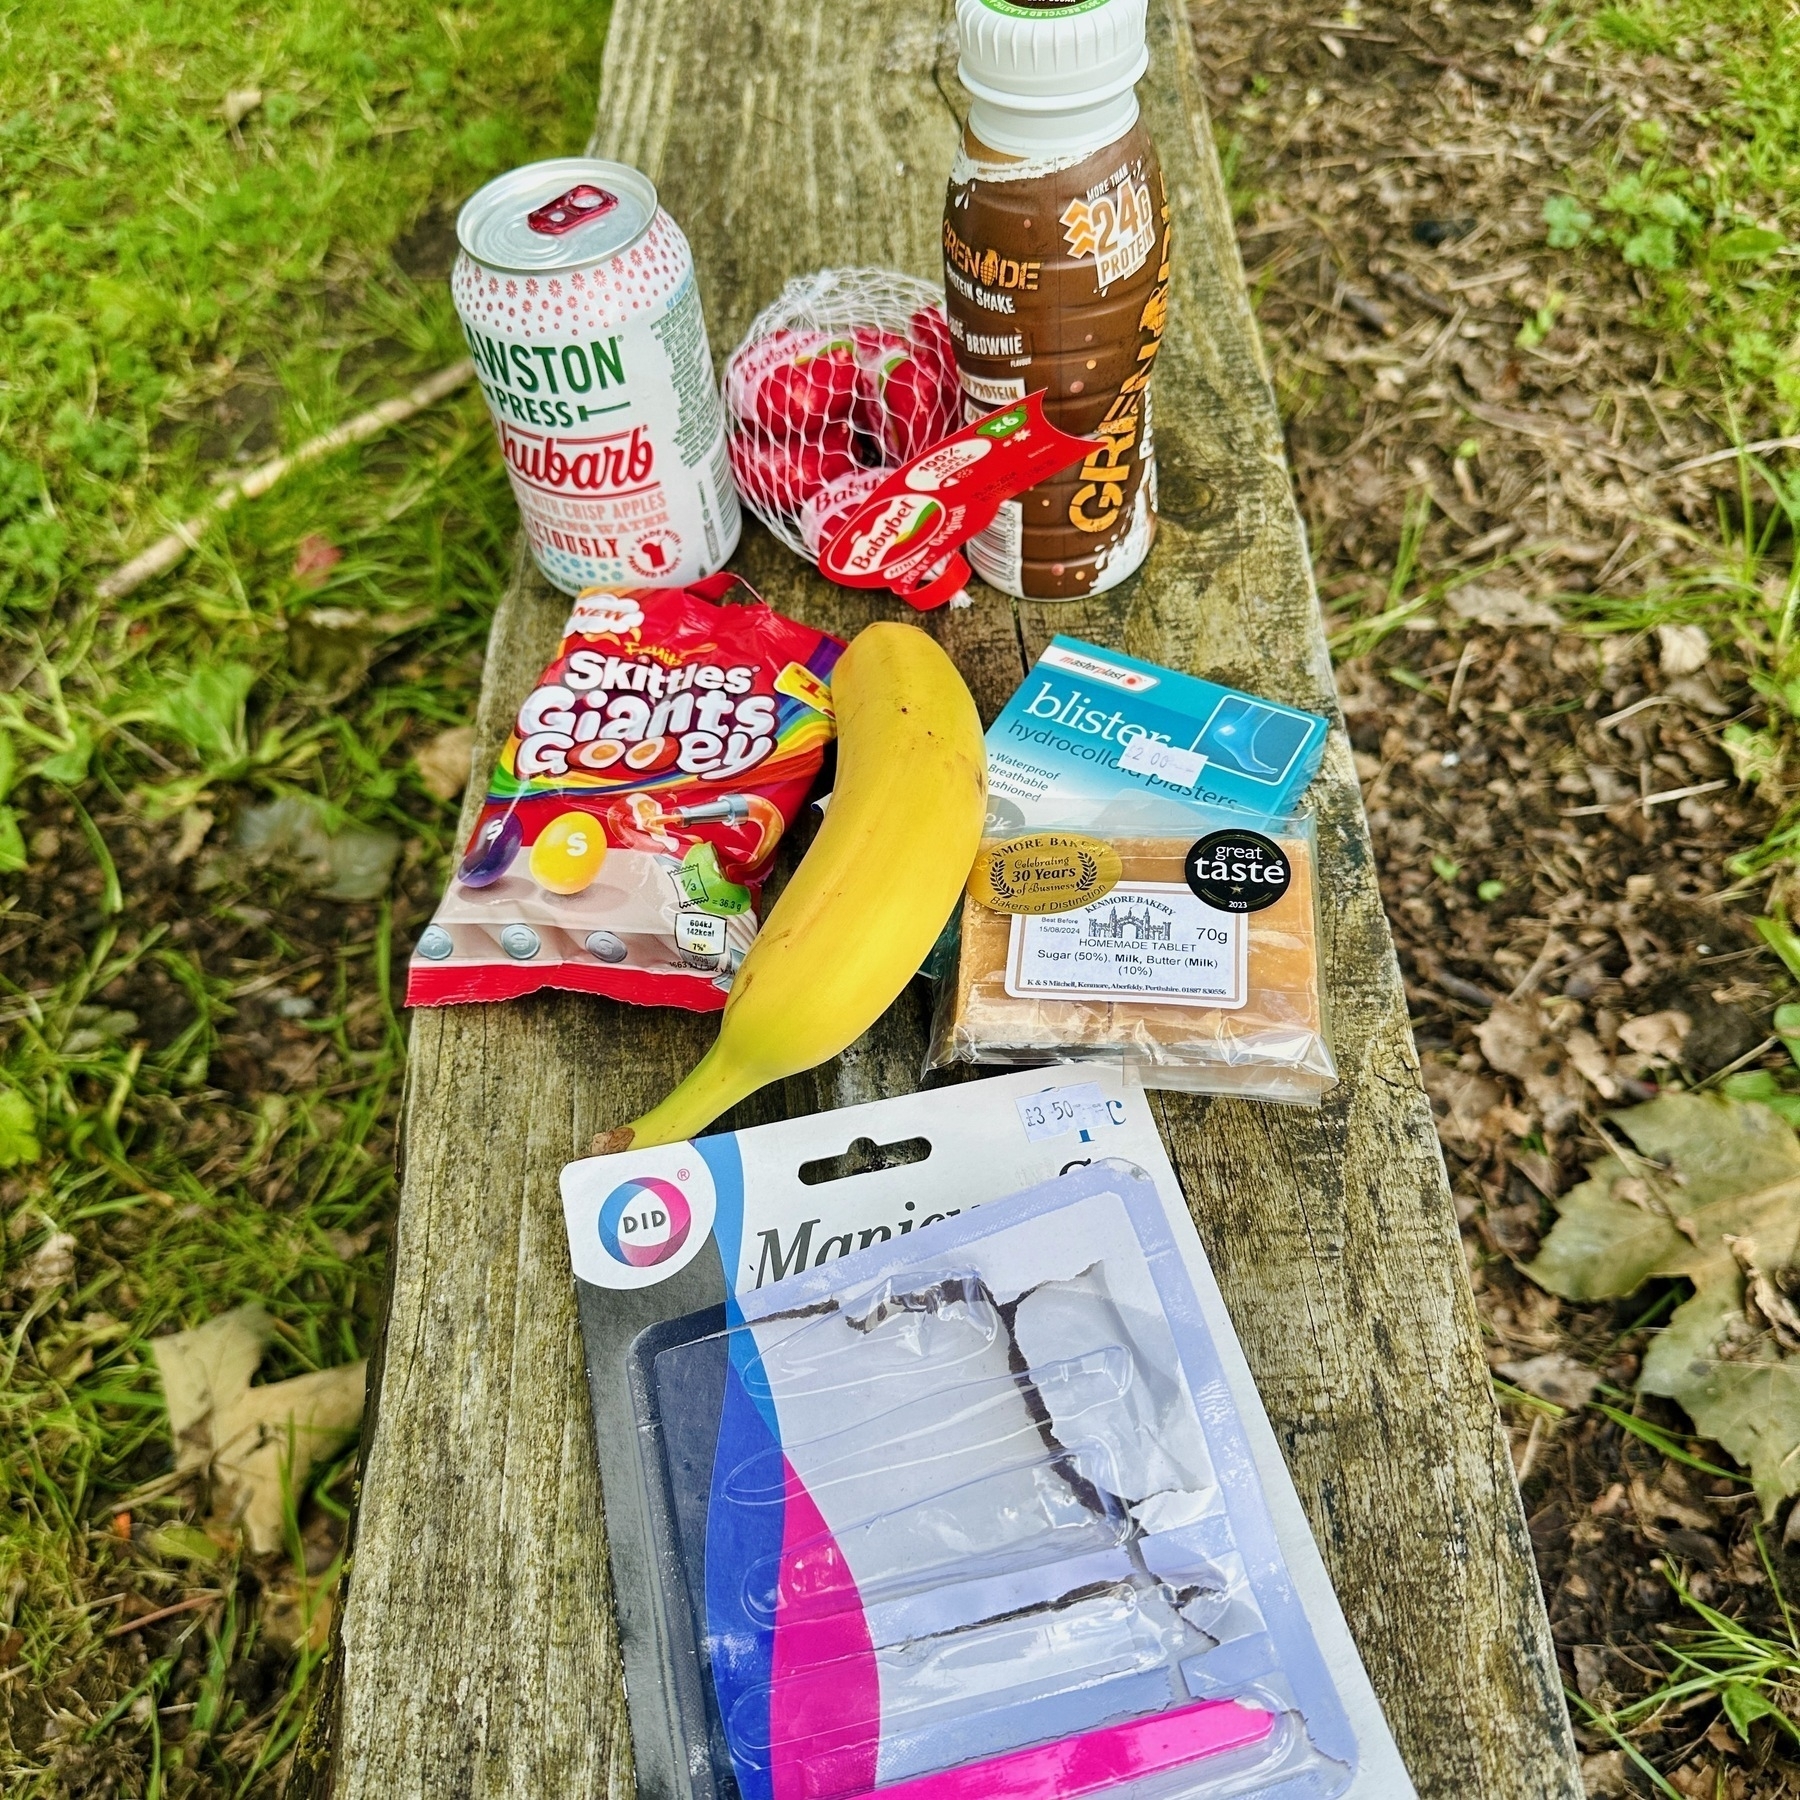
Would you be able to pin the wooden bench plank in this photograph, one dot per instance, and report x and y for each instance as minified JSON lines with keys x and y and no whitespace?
{"x":478,"y":1655}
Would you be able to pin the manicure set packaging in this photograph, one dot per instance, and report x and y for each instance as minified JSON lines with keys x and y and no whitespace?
{"x":933,"y":1468}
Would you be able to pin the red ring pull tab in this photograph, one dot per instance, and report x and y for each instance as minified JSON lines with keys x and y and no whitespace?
{"x":582,"y":202}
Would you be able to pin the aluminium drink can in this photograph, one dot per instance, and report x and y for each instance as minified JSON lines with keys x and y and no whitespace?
{"x":576,"y":292}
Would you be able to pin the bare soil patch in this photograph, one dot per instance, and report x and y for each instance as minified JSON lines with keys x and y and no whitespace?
{"x":1486,"y":437}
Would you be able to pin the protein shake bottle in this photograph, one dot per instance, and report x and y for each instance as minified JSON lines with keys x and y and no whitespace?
{"x":1056,"y":270}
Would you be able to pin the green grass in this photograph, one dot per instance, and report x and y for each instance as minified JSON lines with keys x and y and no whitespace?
{"x":179,"y":297}
{"x":1715,"y":237}
{"x":1706,"y":210}
{"x":1720,"y":1661}
{"x":1747,"y":1674}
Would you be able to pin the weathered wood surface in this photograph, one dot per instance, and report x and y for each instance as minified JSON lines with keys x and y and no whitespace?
{"x":477,"y":1653}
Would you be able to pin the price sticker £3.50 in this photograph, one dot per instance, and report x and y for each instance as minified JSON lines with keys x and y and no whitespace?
{"x":1078,"y":1107}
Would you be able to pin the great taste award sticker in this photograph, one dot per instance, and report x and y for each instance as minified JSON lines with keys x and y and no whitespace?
{"x":1238,"y":871}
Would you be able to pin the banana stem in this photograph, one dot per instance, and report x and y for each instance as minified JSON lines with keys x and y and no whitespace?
{"x":714,"y":1084}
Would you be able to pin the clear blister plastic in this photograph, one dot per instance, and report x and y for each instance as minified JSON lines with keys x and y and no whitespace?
{"x":974,"y":1513}
{"x":1176,"y":972}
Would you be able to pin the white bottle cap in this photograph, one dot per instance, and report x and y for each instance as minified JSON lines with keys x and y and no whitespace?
{"x":1054,"y":75}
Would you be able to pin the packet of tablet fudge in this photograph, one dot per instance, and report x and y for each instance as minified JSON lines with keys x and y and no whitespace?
{"x":635,"y":809}
{"x":945,"y":1477}
{"x":1179,"y":944}
{"x":1147,"y":894}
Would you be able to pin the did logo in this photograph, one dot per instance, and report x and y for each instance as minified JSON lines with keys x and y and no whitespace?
{"x":629,"y":1231}
{"x":645,"y":1221}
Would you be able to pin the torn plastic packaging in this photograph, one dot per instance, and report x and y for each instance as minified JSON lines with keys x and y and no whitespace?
{"x":1158,"y":973}
{"x":973,"y":1512}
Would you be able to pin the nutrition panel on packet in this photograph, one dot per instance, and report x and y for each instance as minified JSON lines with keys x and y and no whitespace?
{"x":1144,"y":941}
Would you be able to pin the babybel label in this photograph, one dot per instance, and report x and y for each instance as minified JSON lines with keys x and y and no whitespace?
{"x":1045,"y":872}
{"x":948,"y":463}
{"x":884,"y":534}
{"x":905,"y":534}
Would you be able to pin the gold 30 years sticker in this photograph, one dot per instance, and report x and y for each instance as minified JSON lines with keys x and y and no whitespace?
{"x":1044,"y":872}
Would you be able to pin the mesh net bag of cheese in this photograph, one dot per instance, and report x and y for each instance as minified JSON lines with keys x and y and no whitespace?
{"x":844,"y":377}
{"x":1189,"y":957}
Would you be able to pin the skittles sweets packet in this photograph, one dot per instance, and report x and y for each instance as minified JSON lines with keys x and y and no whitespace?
{"x":637,"y":804}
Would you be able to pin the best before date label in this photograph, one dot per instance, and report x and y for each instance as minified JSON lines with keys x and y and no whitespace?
{"x":1149,"y":940}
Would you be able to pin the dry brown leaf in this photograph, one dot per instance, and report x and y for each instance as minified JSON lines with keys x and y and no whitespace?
{"x":192,"y":826}
{"x":1589,"y":1057}
{"x":239,"y":104}
{"x":1603,"y":1777}
{"x":1652,"y":1504}
{"x":251,"y":1437}
{"x":296,"y":1063}
{"x":1764,"y":1302}
{"x":1540,"y":1170}
{"x":1514,"y":1041}
{"x":1466,"y":1100}
{"x":332,"y":648}
{"x":1697,"y":1780}
{"x":1610,"y":787}
{"x":1590,"y":1671}
{"x":214,"y":1359}
{"x":1708,"y":1174}
{"x":49,"y":1266}
{"x":1658,"y":1033}
{"x":290,"y":1616}
{"x":348,"y":1245}
{"x":1682,"y":649}
{"x":444,"y":762}
{"x":343,"y":862}
{"x":1556,"y":1377}
{"x":1501,"y":608}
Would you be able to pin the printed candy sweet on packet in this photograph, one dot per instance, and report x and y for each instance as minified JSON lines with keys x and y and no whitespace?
{"x":635,"y":808}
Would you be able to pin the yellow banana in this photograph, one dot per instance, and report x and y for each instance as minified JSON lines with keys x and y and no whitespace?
{"x":869,"y":897}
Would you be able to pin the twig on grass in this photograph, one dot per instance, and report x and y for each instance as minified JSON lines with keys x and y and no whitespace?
{"x":190,"y":1604}
{"x":1648,"y":800}
{"x":167,"y":551}
{"x":1761,"y":448}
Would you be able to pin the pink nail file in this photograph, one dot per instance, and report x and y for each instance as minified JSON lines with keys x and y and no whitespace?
{"x":1095,"y":1760}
